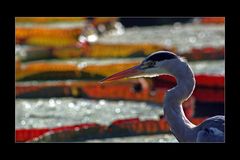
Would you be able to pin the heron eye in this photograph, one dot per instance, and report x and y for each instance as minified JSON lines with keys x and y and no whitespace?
{"x":151,"y":63}
{"x":147,"y":64}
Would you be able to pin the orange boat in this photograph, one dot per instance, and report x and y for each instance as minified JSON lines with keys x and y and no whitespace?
{"x":208,"y":89}
{"x":82,"y":132}
{"x":58,"y":71}
{"x":49,"y":19}
{"x":215,"y":20}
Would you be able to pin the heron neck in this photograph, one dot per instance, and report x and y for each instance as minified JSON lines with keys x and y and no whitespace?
{"x":181,"y":127}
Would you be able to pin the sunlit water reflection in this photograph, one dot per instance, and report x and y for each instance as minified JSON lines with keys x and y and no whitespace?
{"x":183,"y":36}
{"x":161,"y":138}
{"x":40,"y":113}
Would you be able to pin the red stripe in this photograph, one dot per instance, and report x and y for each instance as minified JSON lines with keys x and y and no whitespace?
{"x":132,"y":124}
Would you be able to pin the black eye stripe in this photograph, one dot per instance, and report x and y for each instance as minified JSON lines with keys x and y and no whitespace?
{"x":160,"y":56}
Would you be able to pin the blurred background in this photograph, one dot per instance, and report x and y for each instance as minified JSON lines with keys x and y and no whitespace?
{"x":59,"y":61}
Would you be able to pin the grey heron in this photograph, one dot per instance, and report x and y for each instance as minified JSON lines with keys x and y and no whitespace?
{"x":165,"y":62}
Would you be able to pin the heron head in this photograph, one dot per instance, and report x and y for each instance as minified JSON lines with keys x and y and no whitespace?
{"x":155,"y":64}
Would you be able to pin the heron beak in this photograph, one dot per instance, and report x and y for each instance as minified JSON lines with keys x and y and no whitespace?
{"x":134,"y":71}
